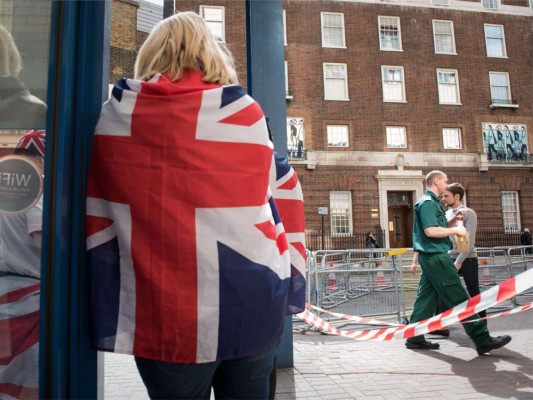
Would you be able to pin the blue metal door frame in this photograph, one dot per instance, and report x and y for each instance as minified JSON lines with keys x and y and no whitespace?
{"x":77,"y":78}
{"x":266,"y":84}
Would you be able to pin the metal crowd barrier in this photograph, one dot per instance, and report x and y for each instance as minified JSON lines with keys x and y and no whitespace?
{"x":520,"y":259}
{"x":357,"y":282}
{"x":371,"y":282}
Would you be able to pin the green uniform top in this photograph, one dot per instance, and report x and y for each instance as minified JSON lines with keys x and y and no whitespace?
{"x":429,"y":212}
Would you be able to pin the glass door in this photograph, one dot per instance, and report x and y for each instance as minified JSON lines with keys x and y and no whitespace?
{"x":24,"y":60}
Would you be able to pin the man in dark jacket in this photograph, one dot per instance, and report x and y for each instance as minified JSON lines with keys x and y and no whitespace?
{"x":525,"y":240}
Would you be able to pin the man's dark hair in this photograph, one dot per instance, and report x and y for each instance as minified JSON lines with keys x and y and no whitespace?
{"x":457,"y":188}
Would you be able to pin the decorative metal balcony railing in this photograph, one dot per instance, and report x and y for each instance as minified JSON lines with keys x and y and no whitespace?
{"x":300,"y":154}
{"x":510,"y":157}
{"x":494,"y":103}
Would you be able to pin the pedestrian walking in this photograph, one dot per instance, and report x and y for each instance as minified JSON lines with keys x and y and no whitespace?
{"x":439,"y":276}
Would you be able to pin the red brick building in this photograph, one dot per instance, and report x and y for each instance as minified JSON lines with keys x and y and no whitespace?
{"x":379,"y":93}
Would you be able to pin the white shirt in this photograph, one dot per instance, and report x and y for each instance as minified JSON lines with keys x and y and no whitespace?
{"x":20,"y":254}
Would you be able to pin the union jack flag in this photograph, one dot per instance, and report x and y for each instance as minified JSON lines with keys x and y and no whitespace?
{"x":33,"y":141}
{"x":188,"y":255}
{"x":19,"y":339}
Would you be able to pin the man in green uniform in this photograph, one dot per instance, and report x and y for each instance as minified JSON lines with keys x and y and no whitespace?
{"x":439,"y":276}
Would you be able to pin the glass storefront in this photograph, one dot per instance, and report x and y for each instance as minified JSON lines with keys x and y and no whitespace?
{"x":24,"y":49}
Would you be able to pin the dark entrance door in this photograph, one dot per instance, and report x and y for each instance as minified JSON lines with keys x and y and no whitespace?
{"x":400,"y":210}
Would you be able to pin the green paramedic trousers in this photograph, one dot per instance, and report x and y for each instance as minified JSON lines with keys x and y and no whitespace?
{"x":440,"y":278}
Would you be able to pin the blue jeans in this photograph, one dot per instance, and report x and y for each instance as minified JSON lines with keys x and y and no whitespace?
{"x":242,"y":378}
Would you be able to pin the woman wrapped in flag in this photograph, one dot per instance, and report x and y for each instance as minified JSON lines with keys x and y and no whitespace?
{"x":195,"y":228}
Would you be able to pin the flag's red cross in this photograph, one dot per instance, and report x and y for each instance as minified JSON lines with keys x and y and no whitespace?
{"x":165,"y":175}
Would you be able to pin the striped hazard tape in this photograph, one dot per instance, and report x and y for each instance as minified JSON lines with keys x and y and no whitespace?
{"x":489,"y":298}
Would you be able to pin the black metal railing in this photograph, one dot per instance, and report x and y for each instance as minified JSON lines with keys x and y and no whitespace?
{"x":503,"y":101}
{"x":497,"y":237}
{"x":297,"y":154}
{"x":510,"y":157}
{"x":356,"y":240}
{"x":342,"y":241}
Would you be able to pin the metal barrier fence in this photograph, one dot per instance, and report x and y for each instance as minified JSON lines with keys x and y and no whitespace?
{"x":371,"y":282}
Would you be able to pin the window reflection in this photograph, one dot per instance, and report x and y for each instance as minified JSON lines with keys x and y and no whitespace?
{"x":24,"y":43}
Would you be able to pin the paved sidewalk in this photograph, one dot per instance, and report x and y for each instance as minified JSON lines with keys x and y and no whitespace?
{"x":331,"y":367}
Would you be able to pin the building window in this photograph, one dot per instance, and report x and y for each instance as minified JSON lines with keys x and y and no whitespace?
{"x":6,"y":13}
{"x":451,"y":138}
{"x":510,"y":211}
{"x":390,"y":37}
{"x":505,"y":142}
{"x":333,"y":30}
{"x":337,"y":136}
{"x":214,"y":17}
{"x":490,"y":4}
{"x":500,"y":91}
{"x":396,"y":137}
{"x":335,"y":82}
{"x":284,"y":27}
{"x":295,"y":138}
{"x":340,"y":205}
{"x":287,"y":93}
{"x":495,"y":41}
{"x":443,"y":36}
{"x":441,"y":2}
{"x":393,"y":84}
{"x":448,"y":86}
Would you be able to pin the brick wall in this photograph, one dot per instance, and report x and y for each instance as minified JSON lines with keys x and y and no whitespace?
{"x":123,"y":41}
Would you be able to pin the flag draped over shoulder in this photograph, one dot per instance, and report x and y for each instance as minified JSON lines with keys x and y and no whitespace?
{"x":188,"y":256}
{"x":19,"y":341}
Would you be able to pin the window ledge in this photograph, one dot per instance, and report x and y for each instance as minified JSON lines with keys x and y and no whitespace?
{"x":450,"y":104}
{"x":502,"y":105}
{"x":395,"y":101}
{"x":447,"y":54}
{"x":336,"y":99}
{"x":400,"y":50}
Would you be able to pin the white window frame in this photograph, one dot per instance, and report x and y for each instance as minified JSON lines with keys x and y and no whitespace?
{"x":507,"y":224}
{"x":452,"y":35}
{"x":459,"y":140}
{"x":388,"y":135}
{"x":457,"y":90}
{"x":347,"y":214}
{"x":384,"y":84}
{"x":324,"y":44}
{"x":503,"y":46}
{"x":295,"y":135}
{"x":287,"y":92}
{"x":284,"y":27}
{"x":509,"y":98}
{"x":325,"y":68}
{"x":338,"y":130}
{"x":223,"y":22}
{"x":6,"y":14}
{"x":381,"y":46}
{"x":491,"y":4}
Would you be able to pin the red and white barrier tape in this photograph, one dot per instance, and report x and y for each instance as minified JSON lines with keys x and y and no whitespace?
{"x":489,"y":298}
{"x":354,"y":318}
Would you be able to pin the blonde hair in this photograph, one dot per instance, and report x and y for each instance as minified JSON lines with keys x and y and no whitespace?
{"x":10,"y":61}
{"x":184,"y":41}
